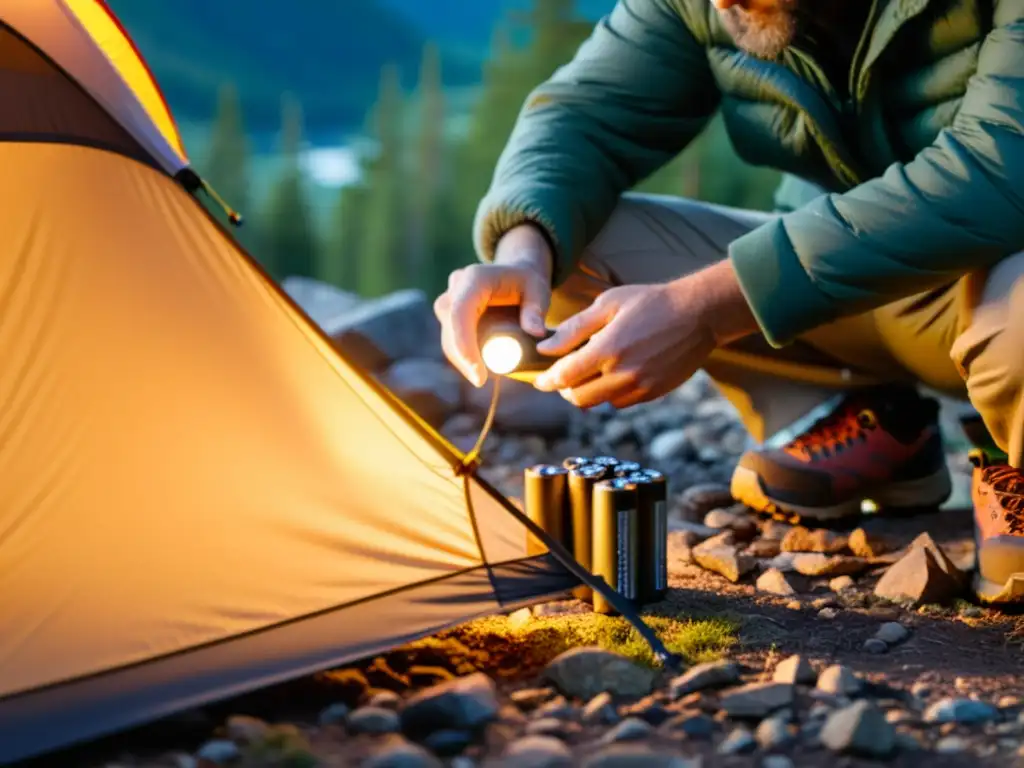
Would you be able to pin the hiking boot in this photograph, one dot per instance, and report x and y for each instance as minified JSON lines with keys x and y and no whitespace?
{"x":880,"y":446}
{"x":997,"y":490}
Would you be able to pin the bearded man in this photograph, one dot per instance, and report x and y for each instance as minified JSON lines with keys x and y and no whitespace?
{"x":892,"y":266}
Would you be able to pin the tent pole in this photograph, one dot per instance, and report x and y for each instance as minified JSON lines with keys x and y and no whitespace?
{"x":672,"y":661}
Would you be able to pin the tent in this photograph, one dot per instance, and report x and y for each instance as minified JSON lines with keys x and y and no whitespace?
{"x":198,"y":495}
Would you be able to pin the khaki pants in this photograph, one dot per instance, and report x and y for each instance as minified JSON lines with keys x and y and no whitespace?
{"x":965,"y":341}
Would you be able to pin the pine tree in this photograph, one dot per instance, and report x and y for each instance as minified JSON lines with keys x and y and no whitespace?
{"x":227,"y":161}
{"x":428,"y":182}
{"x":289,"y":242}
{"x":340,"y":259}
{"x":381,"y":262}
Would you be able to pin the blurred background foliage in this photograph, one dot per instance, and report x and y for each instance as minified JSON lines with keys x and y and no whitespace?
{"x":358,"y":136}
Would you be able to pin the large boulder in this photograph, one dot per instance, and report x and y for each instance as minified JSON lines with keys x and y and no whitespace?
{"x":379,"y":332}
{"x":431,"y":388}
{"x":324,"y":303}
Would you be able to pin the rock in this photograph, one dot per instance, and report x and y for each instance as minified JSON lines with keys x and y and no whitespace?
{"x":538,"y":752}
{"x":373,"y":720}
{"x":757,"y":700}
{"x":562,"y":608}
{"x":522,"y":409}
{"x":921,"y":689}
{"x":698,"y":531}
{"x":387,"y":699}
{"x":465,"y":703}
{"x":531,"y":698}
{"x":777,"y":761}
{"x":783,"y":562}
{"x":816,"y":564}
{"x":323,"y":303}
{"x":335,"y":713}
{"x":839,"y":681}
{"x":637,"y":756}
{"x":773,"y":530}
{"x":245,"y":730}
{"x":723,"y":559}
{"x":801,"y":539}
{"x":841,"y":584}
{"x":648,"y":709}
{"x":399,"y":753}
{"x":697,"y":500}
{"x":774,"y":733}
{"x":694,"y":726}
{"x":828,"y":613}
{"x":892,"y":633}
{"x":218,"y":752}
{"x":379,"y":332}
{"x":448,"y":742}
{"x":964,"y":711}
{"x":776,"y":582}
{"x":739,"y":522}
{"x":600,"y":711}
{"x":951,"y":745}
{"x":859,"y":728}
{"x":712,"y":674}
{"x":925,"y":541}
{"x":583,"y":673}
{"x":430,"y":387}
{"x":519,"y":619}
{"x":795,"y":670}
{"x":875,"y":646}
{"x":557,"y":707}
{"x":863,"y":544}
{"x":762,"y":548}
{"x":738,"y":741}
{"x":630,"y":729}
{"x":668,"y":445}
{"x":918,"y":577}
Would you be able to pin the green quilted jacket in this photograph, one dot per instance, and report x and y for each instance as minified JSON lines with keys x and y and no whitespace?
{"x":923,"y":160}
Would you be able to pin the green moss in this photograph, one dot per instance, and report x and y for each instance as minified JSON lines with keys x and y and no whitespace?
{"x":517,"y":647}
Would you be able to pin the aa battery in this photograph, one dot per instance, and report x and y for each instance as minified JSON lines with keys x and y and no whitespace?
{"x":572,"y":462}
{"x":614,"y":539}
{"x":605,"y":461}
{"x":582,"y":480}
{"x":545,"y":494}
{"x":652,"y":538}
{"x":626,"y":468}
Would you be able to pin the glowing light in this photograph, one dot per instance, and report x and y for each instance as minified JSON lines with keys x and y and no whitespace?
{"x":868,"y":507}
{"x":502,"y":354}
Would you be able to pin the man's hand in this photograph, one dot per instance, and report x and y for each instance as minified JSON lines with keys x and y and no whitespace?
{"x":520,"y":274}
{"x":645,"y":340}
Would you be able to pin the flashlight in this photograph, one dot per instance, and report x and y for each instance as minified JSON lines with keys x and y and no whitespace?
{"x":508,"y":350}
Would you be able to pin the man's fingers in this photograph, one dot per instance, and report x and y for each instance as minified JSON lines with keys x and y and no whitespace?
{"x":535,"y":300}
{"x":442,"y":305}
{"x":609,"y":388}
{"x":577,"y":329}
{"x":467,"y":305}
{"x":573,"y":369}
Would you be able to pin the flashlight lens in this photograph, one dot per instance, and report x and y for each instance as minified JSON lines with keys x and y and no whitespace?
{"x":502,"y":354}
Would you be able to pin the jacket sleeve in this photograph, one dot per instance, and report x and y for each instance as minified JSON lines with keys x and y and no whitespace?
{"x":957,"y":207}
{"x":636,"y":93}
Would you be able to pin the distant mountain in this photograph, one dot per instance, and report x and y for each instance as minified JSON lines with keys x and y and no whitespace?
{"x":328,"y":53}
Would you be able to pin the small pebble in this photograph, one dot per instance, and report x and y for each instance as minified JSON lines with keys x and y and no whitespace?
{"x":960,"y":711}
{"x":892,"y":633}
{"x":950,"y":745}
{"x":828,"y":613}
{"x":335,"y":713}
{"x":841,"y":583}
{"x":773,"y":733}
{"x":776,"y":761}
{"x":876,"y":646}
{"x":739,"y":741}
{"x":219,"y":752}
{"x":373,"y":720}
{"x":599,"y":711}
{"x":838,"y":680}
{"x":630,"y":729}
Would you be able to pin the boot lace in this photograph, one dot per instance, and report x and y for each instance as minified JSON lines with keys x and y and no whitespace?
{"x":1007,"y":484}
{"x":836,"y":432}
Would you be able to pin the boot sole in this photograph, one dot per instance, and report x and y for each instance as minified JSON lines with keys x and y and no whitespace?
{"x":999,"y":570}
{"x":924,"y":493}
{"x":993,"y":593}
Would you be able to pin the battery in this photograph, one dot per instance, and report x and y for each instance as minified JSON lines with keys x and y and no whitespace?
{"x":605,"y":461}
{"x":624,"y":468}
{"x":614,"y":539}
{"x":652,"y":523}
{"x":545,"y":497}
{"x":582,"y":480}
{"x":572,"y":462}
